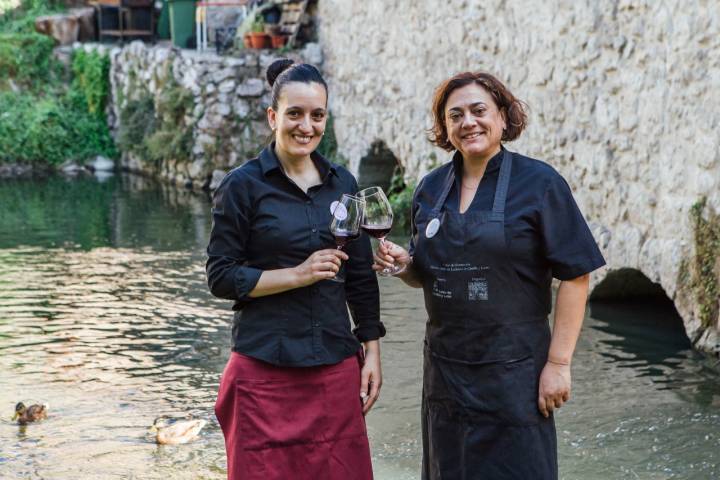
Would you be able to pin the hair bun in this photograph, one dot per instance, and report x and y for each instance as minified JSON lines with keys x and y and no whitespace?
{"x":276,"y":68}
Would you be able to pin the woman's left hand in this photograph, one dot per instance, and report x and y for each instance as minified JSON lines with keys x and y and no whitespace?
{"x":370,"y":375}
{"x":554,"y":387}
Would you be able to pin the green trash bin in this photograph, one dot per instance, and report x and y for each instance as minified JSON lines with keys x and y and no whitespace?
{"x":163,"y":26}
{"x":182,"y":22}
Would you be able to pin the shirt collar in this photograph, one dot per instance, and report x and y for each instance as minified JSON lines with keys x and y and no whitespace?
{"x":270,"y":162}
{"x":492,"y":165}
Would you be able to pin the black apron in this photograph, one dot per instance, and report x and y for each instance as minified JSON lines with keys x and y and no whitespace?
{"x":486,"y":343}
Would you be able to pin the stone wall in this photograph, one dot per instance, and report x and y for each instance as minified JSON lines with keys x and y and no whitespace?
{"x":226,"y":118}
{"x":624,"y":98}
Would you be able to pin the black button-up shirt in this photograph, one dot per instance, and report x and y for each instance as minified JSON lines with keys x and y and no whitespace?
{"x":545,"y":231}
{"x":263,"y":221}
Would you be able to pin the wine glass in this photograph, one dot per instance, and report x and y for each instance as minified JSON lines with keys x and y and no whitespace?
{"x":345,"y":226}
{"x":378,"y":219}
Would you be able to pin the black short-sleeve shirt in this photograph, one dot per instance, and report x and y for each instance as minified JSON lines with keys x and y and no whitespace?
{"x":545,"y":231}
{"x":263,"y":221}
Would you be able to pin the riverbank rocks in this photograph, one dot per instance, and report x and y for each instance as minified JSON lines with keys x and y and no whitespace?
{"x":222,"y":101}
{"x":624,"y":102}
{"x":15,"y":170}
{"x":101,"y":164}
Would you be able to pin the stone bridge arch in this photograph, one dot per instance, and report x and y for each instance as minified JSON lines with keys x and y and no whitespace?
{"x":641,"y":316}
{"x":377,"y":166}
{"x":626,"y":284}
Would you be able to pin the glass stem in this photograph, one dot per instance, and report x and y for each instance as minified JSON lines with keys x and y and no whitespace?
{"x":386,"y":269}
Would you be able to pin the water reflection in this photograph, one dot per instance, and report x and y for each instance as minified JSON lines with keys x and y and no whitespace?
{"x":121,"y":211}
{"x":647,"y":332}
{"x":104,"y":313}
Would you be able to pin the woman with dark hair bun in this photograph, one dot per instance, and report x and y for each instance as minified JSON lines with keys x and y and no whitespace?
{"x":298,"y":383}
{"x":490,"y":230}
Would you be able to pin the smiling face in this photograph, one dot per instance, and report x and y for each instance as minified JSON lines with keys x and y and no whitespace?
{"x":473,"y":122}
{"x":299,"y":120}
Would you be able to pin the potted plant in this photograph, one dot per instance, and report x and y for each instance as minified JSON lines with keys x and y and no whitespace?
{"x":258,"y":37}
{"x":278,"y":40}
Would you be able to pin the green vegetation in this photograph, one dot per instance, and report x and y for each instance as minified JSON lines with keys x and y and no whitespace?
{"x":400,"y":196}
{"x":136,"y":117}
{"x":706,"y":264}
{"x":91,"y":73}
{"x":50,"y":127}
{"x":173,"y":138}
{"x":18,"y":16}
{"x":25,"y":60}
{"x":328,"y":147}
{"x":43,"y":121}
{"x":158,"y":132}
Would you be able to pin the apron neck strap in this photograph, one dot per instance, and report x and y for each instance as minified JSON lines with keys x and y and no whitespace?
{"x":447,"y":185}
{"x":500,"y":190}
{"x":502,"y":185}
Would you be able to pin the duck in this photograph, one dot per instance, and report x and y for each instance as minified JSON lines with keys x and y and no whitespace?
{"x":33,"y":413}
{"x":170,"y":431}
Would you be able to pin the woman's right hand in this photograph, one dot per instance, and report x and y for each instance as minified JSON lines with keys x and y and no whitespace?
{"x":321,"y":265}
{"x":388,"y":254}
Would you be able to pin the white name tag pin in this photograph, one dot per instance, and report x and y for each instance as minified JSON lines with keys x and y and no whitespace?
{"x":432,"y":228}
{"x":338,"y":210}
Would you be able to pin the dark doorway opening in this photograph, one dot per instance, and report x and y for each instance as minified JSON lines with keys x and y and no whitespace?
{"x":377,"y":167}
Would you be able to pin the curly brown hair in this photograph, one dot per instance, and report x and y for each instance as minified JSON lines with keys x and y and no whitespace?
{"x":514,"y":109}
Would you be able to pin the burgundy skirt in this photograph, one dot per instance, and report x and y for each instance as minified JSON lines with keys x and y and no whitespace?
{"x":293,"y":423}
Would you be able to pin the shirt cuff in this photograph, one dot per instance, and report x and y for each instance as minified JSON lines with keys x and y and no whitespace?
{"x":366,"y":333}
{"x":245,"y":280}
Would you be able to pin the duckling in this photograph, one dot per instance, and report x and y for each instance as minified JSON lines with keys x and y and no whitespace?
{"x":176,"y":431}
{"x":33,"y":413}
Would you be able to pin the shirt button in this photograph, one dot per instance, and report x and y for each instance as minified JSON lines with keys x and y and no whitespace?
{"x":314,"y":230}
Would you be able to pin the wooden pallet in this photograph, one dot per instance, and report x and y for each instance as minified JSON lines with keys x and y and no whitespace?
{"x":292,"y":13}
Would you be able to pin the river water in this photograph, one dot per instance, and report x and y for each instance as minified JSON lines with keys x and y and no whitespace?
{"x":105,"y":315}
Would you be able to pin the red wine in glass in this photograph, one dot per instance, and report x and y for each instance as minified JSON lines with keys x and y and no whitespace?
{"x":378,"y":220}
{"x":345,"y":226}
{"x":343,"y":237}
{"x":377,"y":231}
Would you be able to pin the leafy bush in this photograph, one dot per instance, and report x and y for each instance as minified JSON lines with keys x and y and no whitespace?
{"x":400,"y":196}
{"x":91,"y":72}
{"x":45,"y":130}
{"x":26,"y":59}
{"x":19,"y":16}
{"x":49,"y":124}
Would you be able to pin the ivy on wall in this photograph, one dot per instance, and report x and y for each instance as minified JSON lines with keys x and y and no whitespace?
{"x":706,"y":263}
{"x":158,"y":129}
